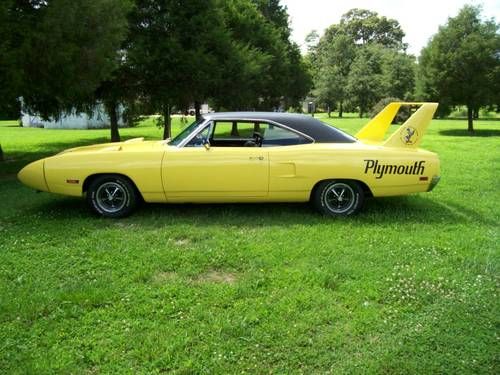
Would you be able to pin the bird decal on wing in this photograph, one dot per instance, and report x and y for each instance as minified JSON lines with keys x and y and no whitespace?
{"x":409,"y":134}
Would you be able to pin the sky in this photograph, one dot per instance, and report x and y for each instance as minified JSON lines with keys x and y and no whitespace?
{"x":419,"y":19}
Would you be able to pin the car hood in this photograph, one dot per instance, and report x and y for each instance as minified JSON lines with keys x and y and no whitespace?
{"x":135,"y":144}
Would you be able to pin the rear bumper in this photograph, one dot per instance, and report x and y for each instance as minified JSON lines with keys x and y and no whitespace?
{"x":434,"y":182}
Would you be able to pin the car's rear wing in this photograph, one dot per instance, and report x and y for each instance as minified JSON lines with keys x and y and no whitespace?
{"x":407,"y":135}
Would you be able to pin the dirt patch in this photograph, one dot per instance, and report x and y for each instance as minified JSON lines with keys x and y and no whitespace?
{"x":216,"y":277}
{"x":180,"y":241}
{"x":163,"y":277}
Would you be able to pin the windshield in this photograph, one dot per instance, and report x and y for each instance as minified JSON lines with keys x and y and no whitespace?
{"x":185,"y":133}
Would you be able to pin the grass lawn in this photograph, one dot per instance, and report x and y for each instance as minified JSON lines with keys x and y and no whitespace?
{"x":408,"y":286}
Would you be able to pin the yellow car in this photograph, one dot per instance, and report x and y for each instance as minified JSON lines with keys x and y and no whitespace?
{"x":248,"y":157}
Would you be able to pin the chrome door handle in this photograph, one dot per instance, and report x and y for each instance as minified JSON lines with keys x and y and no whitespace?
{"x":256,"y":158}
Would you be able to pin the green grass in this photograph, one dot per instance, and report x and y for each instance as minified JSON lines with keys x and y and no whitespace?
{"x":408,"y":286}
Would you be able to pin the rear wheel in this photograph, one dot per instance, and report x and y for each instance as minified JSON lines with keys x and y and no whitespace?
{"x":112,"y":196}
{"x":338,"y":198}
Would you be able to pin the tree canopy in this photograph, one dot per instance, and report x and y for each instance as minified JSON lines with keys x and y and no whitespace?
{"x":69,"y":54}
{"x":361,"y":60}
{"x":368,"y":27}
{"x":60,"y":50}
{"x":461,"y":63}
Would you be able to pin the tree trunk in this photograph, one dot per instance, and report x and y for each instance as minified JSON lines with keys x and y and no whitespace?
{"x":111,"y":108}
{"x":470,"y":119}
{"x":476,"y":113}
{"x":1,"y":154}
{"x":341,"y":109}
{"x":167,"y":122}
{"x":329,"y":111}
{"x":197,"y":109}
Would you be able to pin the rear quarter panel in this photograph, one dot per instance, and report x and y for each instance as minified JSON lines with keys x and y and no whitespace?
{"x":295,"y":170}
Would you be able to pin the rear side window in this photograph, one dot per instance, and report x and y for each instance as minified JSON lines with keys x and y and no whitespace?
{"x":278,"y":136}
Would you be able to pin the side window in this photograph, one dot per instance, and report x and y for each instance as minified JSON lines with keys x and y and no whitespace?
{"x":278,"y":136}
{"x":234,"y":134}
{"x":200,"y":138}
{"x":232,"y":130}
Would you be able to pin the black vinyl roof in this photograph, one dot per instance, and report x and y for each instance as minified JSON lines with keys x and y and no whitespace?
{"x":317,"y":130}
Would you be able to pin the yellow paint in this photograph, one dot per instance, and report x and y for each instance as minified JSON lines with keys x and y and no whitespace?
{"x":417,"y":124}
{"x":377,"y":126}
{"x":33,"y":176}
{"x":164,"y":173}
{"x":375,"y":130}
{"x":216,"y":172}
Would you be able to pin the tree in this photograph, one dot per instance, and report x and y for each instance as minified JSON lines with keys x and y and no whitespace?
{"x":311,"y":40}
{"x":288,"y":79}
{"x":267,"y":69}
{"x":299,"y":80}
{"x":60,"y":51}
{"x":7,"y":68}
{"x":365,"y":84}
{"x":177,"y":50}
{"x":461,"y":63}
{"x":247,"y":56}
{"x":367,"y":27}
{"x":336,"y":52}
{"x":399,"y":71}
{"x":360,"y":34}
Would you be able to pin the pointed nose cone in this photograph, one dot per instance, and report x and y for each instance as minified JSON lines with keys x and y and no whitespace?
{"x":33,"y":175}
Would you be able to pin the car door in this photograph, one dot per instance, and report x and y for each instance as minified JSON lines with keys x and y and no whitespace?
{"x":289,"y":163}
{"x":215,"y":173}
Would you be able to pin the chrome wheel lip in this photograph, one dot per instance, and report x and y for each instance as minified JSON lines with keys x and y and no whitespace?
{"x":339,"y":197}
{"x":111,"y":197}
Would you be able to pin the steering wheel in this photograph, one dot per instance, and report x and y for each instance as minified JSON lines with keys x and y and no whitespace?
{"x":197,"y":140}
{"x":258,"y":139}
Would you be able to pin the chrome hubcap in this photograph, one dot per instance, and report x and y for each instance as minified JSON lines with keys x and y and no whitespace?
{"x":339,"y":197}
{"x":111,"y":197}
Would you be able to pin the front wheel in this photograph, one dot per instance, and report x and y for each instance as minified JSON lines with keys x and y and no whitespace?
{"x":112,"y":196}
{"x":338,"y":198}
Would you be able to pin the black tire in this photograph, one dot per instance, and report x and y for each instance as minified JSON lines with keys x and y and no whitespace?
{"x":338,"y":198}
{"x":112,"y":196}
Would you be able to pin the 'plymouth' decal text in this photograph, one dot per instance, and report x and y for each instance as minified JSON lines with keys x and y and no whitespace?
{"x":379,"y":169}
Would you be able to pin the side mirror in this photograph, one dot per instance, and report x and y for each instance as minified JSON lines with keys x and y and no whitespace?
{"x":206,"y":144}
